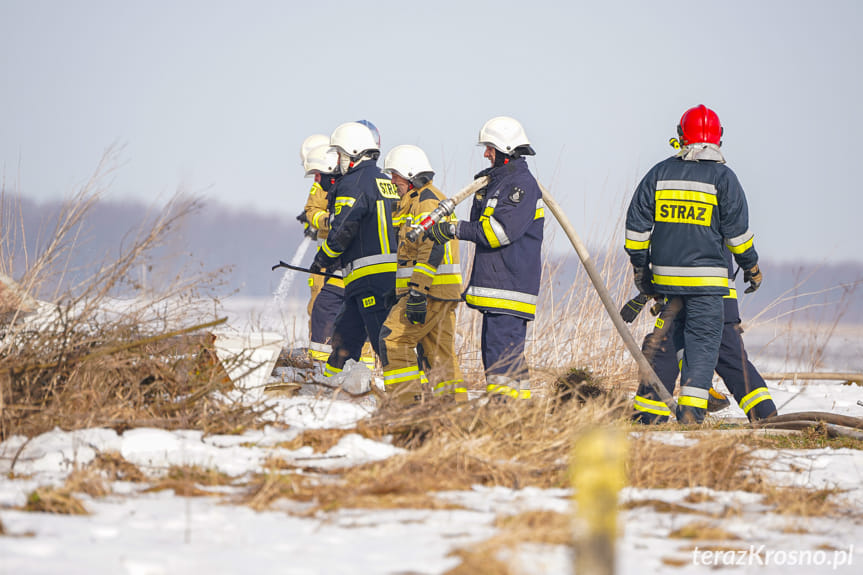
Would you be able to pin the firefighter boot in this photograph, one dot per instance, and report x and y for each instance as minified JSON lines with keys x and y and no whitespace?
{"x":688,"y":414}
{"x":716,"y":401}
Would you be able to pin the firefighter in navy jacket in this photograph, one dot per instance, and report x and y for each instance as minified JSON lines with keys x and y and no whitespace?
{"x":506,"y":224}
{"x":683,"y":214}
{"x":363,"y":240}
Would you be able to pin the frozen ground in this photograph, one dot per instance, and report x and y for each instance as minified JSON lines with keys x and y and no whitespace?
{"x":134,"y":532}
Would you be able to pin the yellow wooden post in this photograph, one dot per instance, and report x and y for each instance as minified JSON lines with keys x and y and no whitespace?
{"x":598,"y":474}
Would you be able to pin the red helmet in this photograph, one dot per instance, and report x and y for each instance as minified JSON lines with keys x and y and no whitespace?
{"x":699,"y":124}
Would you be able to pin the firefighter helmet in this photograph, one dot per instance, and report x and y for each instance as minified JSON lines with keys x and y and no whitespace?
{"x":322,"y":160}
{"x":408,"y":162}
{"x":374,"y":130}
{"x":700,"y":125}
{"x":310,"y":143}
{"x":353,"y":139}
{"x":506,"y":135}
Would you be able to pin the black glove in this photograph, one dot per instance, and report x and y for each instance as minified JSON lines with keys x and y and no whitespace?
{"x":416,"y":307}
{"x":644,"y":280}
{"x":754,"y":277}
{"x":321,"y":261}
{"x":308,"y":229}
{"x":633,"y":307}
{"x":441,"y":232}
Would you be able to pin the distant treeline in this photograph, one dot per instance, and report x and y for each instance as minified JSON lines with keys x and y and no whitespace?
{"x":248,"y":243}
{"x":214,"y":237}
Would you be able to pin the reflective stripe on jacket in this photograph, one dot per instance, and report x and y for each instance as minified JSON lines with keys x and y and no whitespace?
{"x":682,"y":218}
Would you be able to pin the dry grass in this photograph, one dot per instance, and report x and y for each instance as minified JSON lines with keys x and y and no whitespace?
{"x":180,"y":487}
{"x":544,"y":527}
{"x":53,"y":500}
{"x":266,"y":489}
{"x":716,"y":462}
{"x":449,"y":447}
{"x":815,"y":437}
{"x":661,"y":506}
{"x":802,"y":502}
{"x":114,"y":467}
{"x":702,"y":531}
{"x":482,"y":558}
{"x":87,"y":481}
{"x":547,"y":527}
{"x":320,"y":440}
{"x":187,"y":480}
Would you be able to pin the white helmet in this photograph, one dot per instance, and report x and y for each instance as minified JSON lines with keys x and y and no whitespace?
{"x":322,"y":160}
{"x":506,"y":135}
{"x":353,"y":139}
{"x":310,"y":143}
{"x":373,"y":128}
{"x":408,"y":162}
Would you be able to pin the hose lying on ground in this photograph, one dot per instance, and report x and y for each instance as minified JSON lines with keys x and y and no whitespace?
{"x":825,"y":375}
{"x":834,"y":424}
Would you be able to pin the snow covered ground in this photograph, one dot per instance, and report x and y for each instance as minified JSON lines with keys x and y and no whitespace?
{"x":135,"y":532}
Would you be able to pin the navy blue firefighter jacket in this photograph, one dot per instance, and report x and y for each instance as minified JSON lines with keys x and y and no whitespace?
{"x":681,"y":218}
{"x":362,"y":236}
{"x":506,"y":223}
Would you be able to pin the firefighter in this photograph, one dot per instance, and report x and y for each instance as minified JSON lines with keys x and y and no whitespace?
{"x":683,"y":214}
{"x":740,"y":376}
{"x":362,"y":238}
{"x":506,"y":224}
{"x":327,"y":294}
{"x":428,"y":287}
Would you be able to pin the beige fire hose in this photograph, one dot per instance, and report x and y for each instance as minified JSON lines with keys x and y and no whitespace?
{"x":445,"y":208}
{"x":645,"y":370}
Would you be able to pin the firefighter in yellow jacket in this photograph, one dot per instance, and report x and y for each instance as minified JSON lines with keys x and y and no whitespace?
{"x":327,"y":294}
{"x":428,"y":286}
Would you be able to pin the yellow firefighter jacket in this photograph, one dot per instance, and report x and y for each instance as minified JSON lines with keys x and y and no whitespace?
{"x":423,"y":265}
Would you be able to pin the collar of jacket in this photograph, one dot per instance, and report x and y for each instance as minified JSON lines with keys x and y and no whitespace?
{"x":701,"y":151}
{"x":516,"y":164}
{"x":362,"y":162}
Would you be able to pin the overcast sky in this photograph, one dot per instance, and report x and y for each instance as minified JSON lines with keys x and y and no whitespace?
{"x":216,"y":97}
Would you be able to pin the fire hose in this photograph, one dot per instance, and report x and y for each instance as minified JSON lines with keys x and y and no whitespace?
{"x":645,"y":370}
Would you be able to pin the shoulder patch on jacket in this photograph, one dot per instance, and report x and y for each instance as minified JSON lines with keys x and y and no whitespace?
{"x":515,"y":195}
{"x":427,"y":195}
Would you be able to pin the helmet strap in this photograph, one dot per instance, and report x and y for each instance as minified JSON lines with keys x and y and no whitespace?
{"x":500,"y":159}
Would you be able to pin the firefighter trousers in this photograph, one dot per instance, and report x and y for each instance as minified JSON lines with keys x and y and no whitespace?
{"x":502,"y":344}
{"x":409,"y":351}
{"x":361,"y":316}
{"x":733,"y":366}
{"x":325,"y":307}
